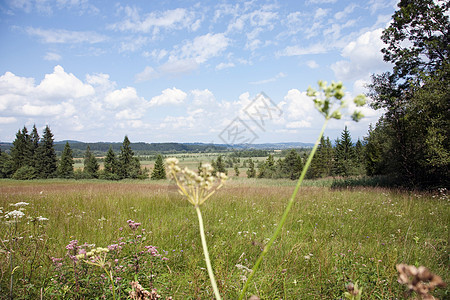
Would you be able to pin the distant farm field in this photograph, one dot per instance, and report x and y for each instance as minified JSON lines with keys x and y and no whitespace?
{"x":332,"y":237}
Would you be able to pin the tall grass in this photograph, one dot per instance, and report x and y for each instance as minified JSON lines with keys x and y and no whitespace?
{"x":331,"y":237}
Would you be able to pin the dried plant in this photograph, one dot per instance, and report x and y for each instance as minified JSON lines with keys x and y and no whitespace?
{"x":420,"y":280}
{"x":139,"y":293}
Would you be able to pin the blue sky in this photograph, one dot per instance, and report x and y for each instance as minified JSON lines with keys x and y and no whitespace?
{"x":183,"y":71}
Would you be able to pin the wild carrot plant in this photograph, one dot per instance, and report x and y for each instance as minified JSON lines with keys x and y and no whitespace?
{"x":197,"y":188}
{"x":329,"y":101}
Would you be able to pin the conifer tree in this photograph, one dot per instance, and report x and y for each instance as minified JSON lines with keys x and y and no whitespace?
{"x":20,"y":151}
{"x":159,"y":172}
{"x":34,"y":144}
{"x":65,"y":167}
{"x":321,"y":165}
{"x":251,"y":172}
{"x":91,"y":165}
{"x":292,"y":165}
{"x":236,"y":170}
{"x":220,"y":166}
{"x":46,"y":161}
{"x":126,"y":159}
{"x":345,"y":155}
{"x":111,"y":167}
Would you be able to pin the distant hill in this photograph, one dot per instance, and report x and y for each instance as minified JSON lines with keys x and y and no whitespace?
{"x":141,"y":148}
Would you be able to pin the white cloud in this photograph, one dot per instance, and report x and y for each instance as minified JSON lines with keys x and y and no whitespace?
{"x":148,"y":74}
{"x":129,"y":114}
{"x":364,"y":57}
{"x":344,"y":13}
{"x":178,"y":66}
{"x":51,"y":56}
{"x":298,"y":51}
{"x":203,"y":97}
{"x":298,"y":124}
{"x":299,"y":105}
{"x":222,"y":66}
{"x":169,"y":96}
{"x":7,"y":120}
{"x":169,"y":19}
{"x":312,"y":64}
{"x":122,"y":98}
{"x":64,"y":109}
{"x":320,"y":13}
{"x":133,"y":44}
{"x":61,"y":36}
{"x":60,"y":84}
{"x":203,"y":47}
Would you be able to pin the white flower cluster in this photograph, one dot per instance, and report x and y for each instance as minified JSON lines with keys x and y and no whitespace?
{"x":196,"y":187}
{"x":15,"y":214}
{"x":93,"y":252}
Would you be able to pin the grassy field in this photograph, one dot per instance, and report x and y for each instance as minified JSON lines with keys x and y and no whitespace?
{"x":332,"y":237}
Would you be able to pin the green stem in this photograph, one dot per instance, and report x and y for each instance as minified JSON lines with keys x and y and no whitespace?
{"x":285,"y":214}
{"x":205,"y":251}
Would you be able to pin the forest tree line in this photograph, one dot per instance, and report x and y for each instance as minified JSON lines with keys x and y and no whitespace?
{"x":33,"y":157}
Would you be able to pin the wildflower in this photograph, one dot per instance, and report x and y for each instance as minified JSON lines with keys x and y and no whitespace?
{"x":196,"y":187}
{"x":15,"y":214}
{"x":40,"y":219}
{"x":133,"y":225}
{"x":20,"y":204}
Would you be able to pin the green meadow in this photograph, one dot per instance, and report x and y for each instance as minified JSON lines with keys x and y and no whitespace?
{"x":332,"y":237}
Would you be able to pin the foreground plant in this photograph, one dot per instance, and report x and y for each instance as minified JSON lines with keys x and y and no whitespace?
{"x":419,"y":280}
{"x":198,"y":188}
{"x":329,"y":101}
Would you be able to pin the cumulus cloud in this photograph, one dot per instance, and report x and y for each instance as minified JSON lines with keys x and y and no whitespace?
{"x":363,"y":57}
{"x":168,"y":96}
{"x":123,"y":97}
{"x":60,"y":84}
{"x":67,"y":101}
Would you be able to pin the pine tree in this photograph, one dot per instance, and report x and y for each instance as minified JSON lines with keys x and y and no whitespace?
{"x":34,"y":144}
{"x":46,"y":161}
{"x":91,"y":165}
{"x":251,"y":172}
{"x":159,"y":172}
{"x":345,"y":155}
{"x":292,"y":165}
{"x":236,"y":170}
{"x":220,"y":166}
{"x":65,"y":167}
{"x":322,"y":162}
{"x":126,"y":159}
{"x":20,"y":151}
{"x":111,"y":167}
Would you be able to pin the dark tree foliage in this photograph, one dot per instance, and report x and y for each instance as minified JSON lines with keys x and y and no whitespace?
{"x":21,"y":150}
{"x":251,"y":172}
{"x":65,"y":167}
{"x":46,"y":161}
{"x":322,"y":163}
{"x":34,"y":144}
{"x":268,"y":169}
{"x":6,"y":168}
{"x":159,"y":172}
{"x":236,"y":170}
{"x":411,"y":139}
{"x":292,"y":165}
{"x":126,"y":159}
{"x":220,"y":165}
{"x":111,"y":166}
{"x":344,"y":155}
{"x":91,"y":165}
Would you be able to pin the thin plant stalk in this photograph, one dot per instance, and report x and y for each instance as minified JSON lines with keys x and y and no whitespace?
{"x":205,"y":251}
{"x":285,"y":214}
